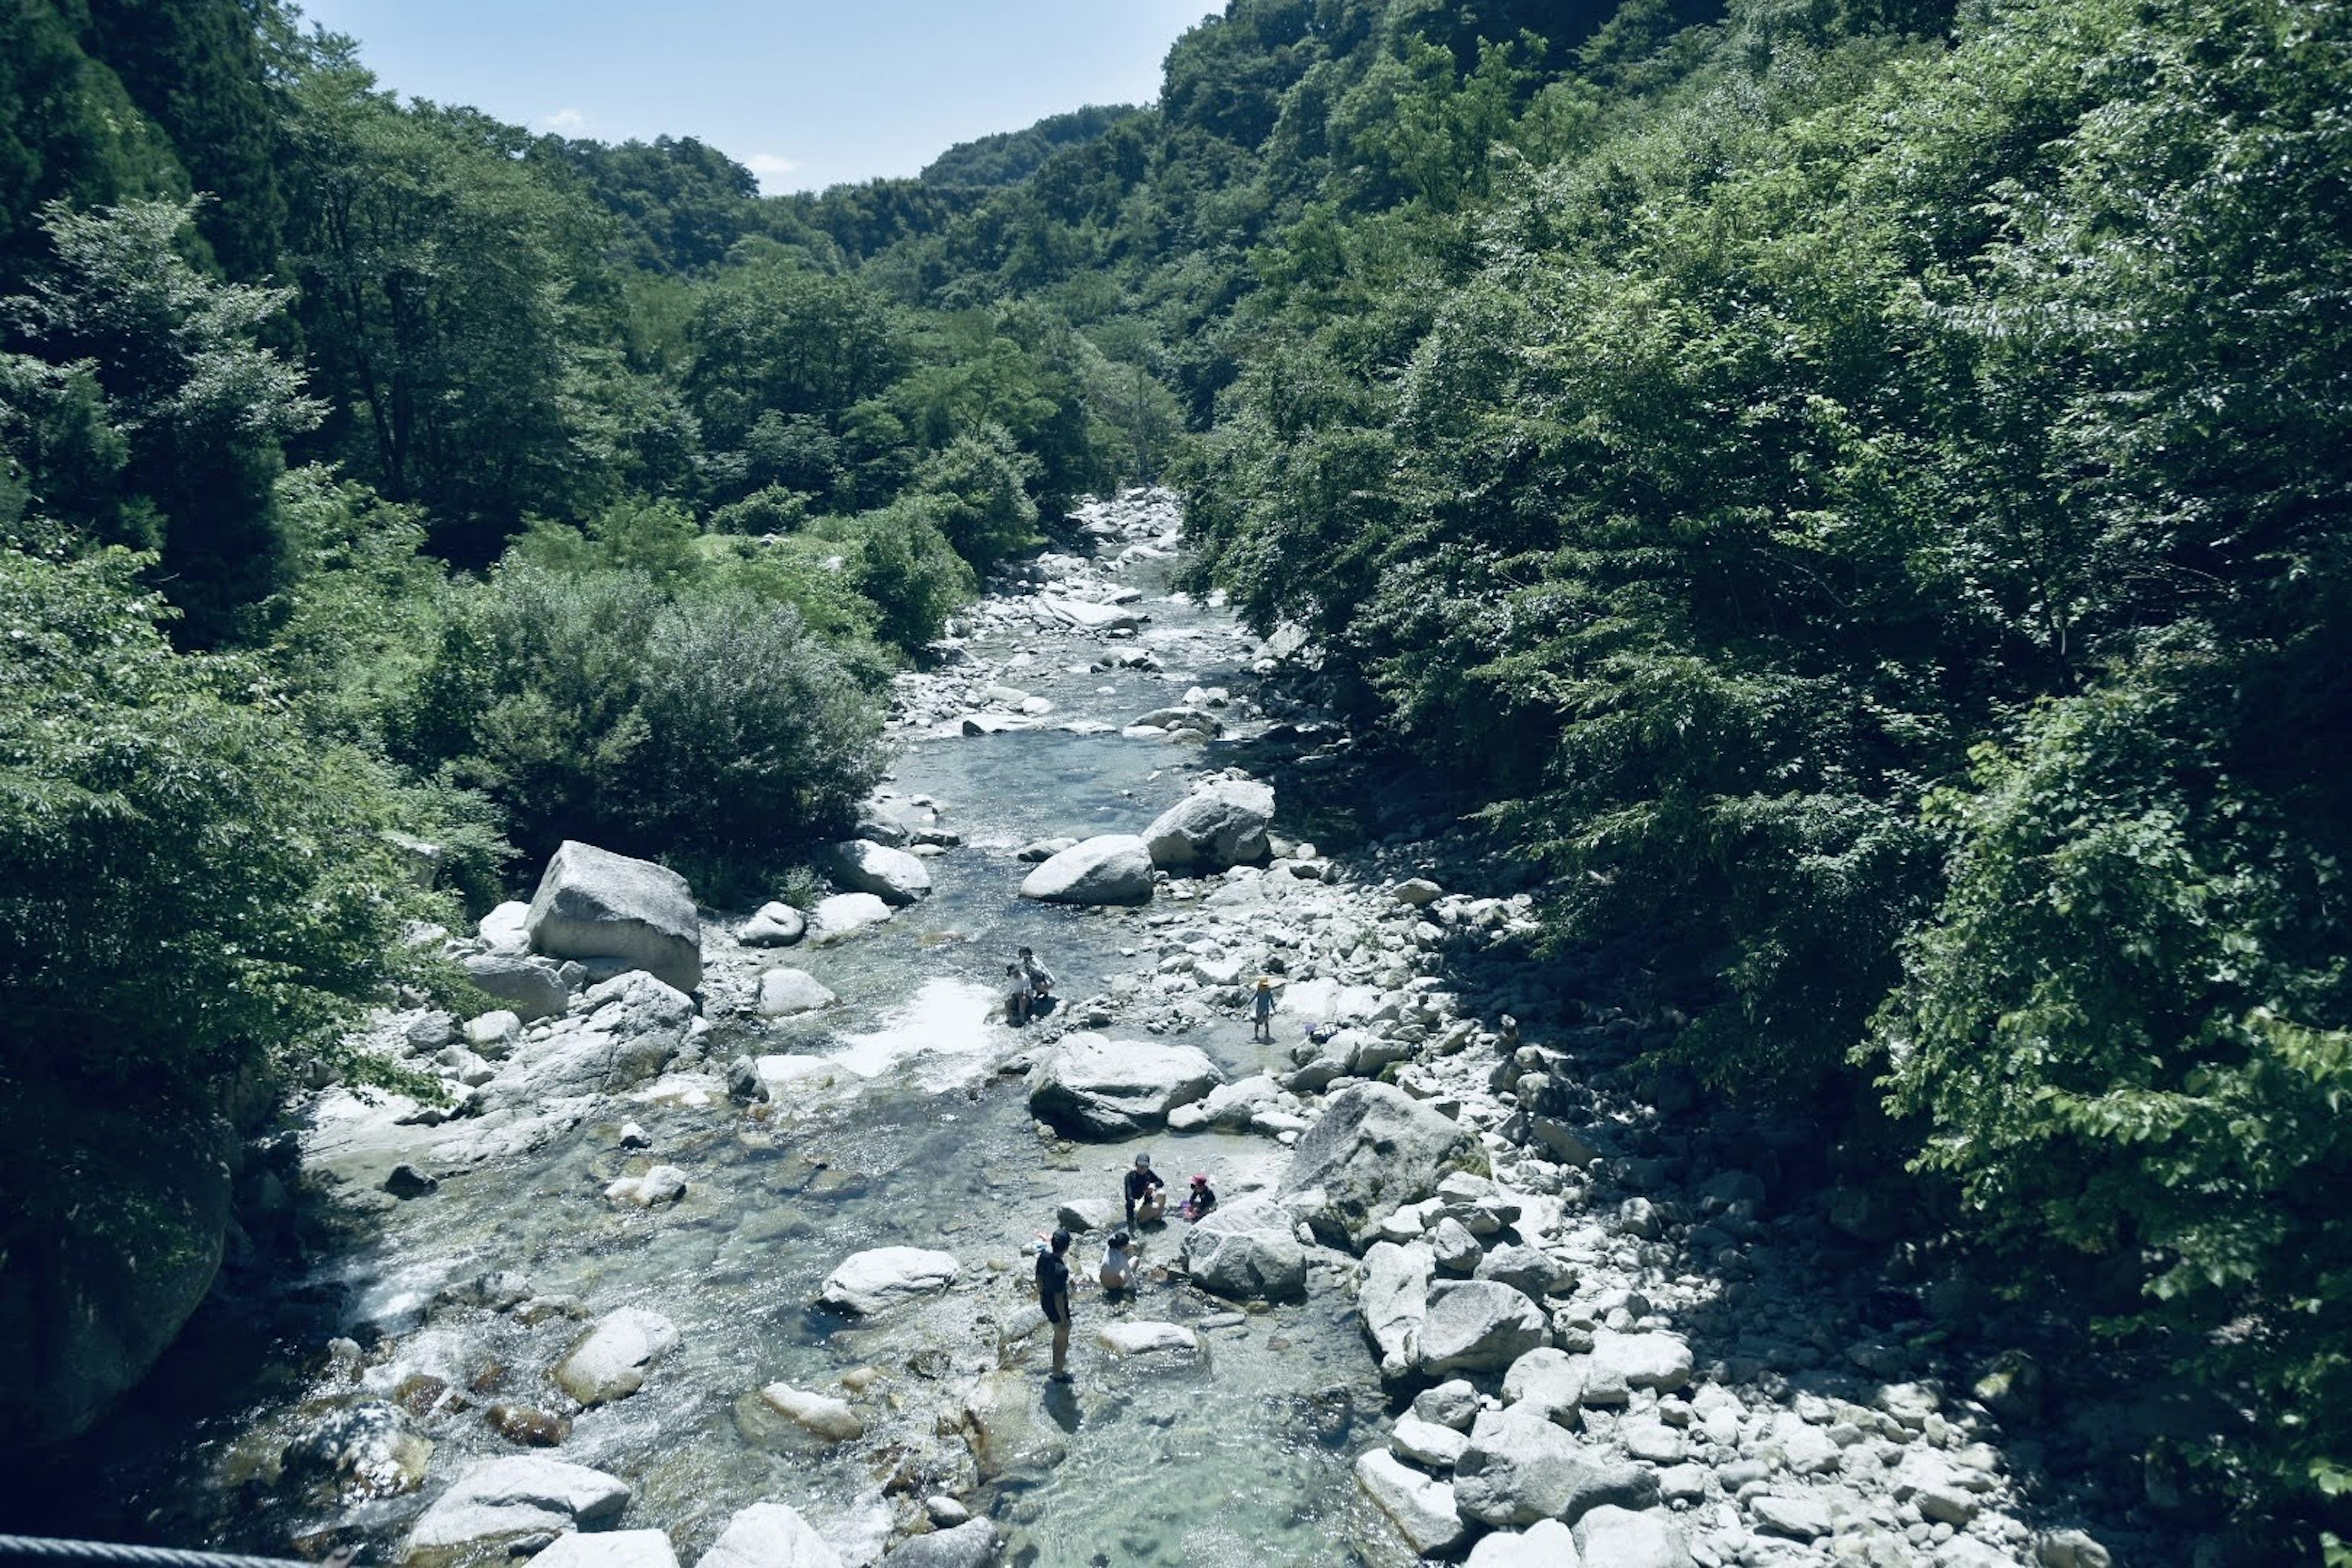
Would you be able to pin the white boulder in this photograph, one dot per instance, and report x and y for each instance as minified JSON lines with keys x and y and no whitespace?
{"x":612,"y":1360}
{"x":787,"y":993}
{"x":1092,"y":1087}
{"x":1110,"y":869}
{"x":592,"y":904}
{"x":1223,"y":824}
{"x":892,"y":875}
{"x":882,"y":1278}
{"x":1423,"y":1510}
{"x":506,"y":1499}
{"x":769,"y":1535}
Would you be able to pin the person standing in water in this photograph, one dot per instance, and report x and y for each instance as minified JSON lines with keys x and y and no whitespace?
{"x":1147,"y":1194}
{"x":1040,"y":979}
{"x":1261,"y":1010}
{"x":1054,"y":1296}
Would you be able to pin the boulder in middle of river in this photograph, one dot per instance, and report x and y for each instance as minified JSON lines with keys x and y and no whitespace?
{"x":1112,"y":868}
{"x":769,"y":1535}
{"x":1220,"y":825}
{"x":892,"y":875}
{"x":1091,"y":1086}
{"x":876,"y":1280}
{"x":507,"y":1498}
{"x":611,"y":1362}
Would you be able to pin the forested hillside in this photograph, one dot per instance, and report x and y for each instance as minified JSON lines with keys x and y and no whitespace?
{"x":1857,"y":490}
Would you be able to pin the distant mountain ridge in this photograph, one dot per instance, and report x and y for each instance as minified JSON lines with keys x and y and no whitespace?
{"x":1009,"y":157}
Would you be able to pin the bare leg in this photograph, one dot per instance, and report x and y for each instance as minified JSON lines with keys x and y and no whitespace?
{"x":1062,"y":1345}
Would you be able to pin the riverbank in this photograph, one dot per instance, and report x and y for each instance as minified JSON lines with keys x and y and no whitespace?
{"x":1529,"y":1283}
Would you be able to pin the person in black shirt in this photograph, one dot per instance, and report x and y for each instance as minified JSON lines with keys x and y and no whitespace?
{"x":1147,"y":1196}
{"x":1054,"y":1296}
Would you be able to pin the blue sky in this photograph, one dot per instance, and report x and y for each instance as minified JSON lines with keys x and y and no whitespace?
{"x":806,"y":94}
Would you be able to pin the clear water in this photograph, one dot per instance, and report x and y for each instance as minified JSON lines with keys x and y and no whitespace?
{"x":1237,"y":1456}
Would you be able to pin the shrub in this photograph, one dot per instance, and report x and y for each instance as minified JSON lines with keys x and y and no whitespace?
{"x":594,"y":705}
{"x":191,"y":887}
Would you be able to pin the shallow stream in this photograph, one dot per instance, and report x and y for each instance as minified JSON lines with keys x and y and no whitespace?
{"x":1237,"y":1456}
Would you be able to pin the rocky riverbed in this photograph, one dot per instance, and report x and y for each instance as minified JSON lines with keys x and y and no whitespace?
{"x":719,"y":1251}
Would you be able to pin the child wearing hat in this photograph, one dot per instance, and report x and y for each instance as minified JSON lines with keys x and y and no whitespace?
{"x":1200,"y":1200}
{"x":1261,"y":1010}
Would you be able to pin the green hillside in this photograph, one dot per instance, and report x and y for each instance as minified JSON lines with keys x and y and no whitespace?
{"x":1857,"y":491}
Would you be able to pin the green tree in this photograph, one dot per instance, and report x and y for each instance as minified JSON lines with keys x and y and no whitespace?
{"x":448,"y":305}
{"x":197,"y":408}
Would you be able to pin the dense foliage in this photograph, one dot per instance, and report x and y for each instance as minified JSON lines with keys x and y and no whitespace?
{"x":1857,"y":488}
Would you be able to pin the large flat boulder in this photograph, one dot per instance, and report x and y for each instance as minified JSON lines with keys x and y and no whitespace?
{"x":1220,"y":825}
{"x":1635,"y":1538}
{"x":1478,"y":1325}
{"x":877,"y":1280}
{"x":1547,"y":1544}
{"x":1520,"y":1468}
{"x":844,"y":913}
{"x":1247,"y":1250}
{"x":1394,"y":1300}
{"x":786,"y":992}
{"x":1091,"y":1086}
{"x":506,"y":1498}
{"x":769,"y":1535}
{"x":1091,"y":617}
{"x":612,"y":1359}
{"x":1112,"y":868}
{"x":610,"y":1549}
{"x":1423,"y":1510}
{"x":1623,"y":1363}
{"x":593,"y":903}
{"x":1373,"y":1151}
{"x":892,"y":875}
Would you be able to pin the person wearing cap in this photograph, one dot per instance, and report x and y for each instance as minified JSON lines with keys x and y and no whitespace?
{"x":1261,"y":1010}
{"x":1147,"y":1194}
{"x":1054,"y":1296}
{"x":1200,"y":1200}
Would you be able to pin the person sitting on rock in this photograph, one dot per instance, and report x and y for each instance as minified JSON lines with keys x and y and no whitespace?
{"x":1200,"y":1200}
{"x":1118,"y":1271}
{"x":1147,"y":1194}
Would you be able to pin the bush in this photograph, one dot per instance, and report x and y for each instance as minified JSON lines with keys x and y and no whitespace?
{"x":594,"y":705}
{"x":978,"y":487}
{"x":191,"y":887}
{"x":908,"y":568}
{"x":2125,"y":1036}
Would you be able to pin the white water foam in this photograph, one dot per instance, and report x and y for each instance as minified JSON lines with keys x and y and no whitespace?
{"x":952,"y":1028}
